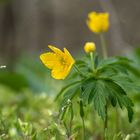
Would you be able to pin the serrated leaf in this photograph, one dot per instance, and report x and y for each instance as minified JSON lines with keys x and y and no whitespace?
{"x":94,"y":91}
{"x":113,"y":61}
{"x":87,"y":88}
{"x":120,"y":68}
{"x":99,"y":98}
{"x":107,"y":72}
{"x":116,"y":92}
{"x":125,"y":82}
{"x":106,"y":62}
{"x":113,"y":92}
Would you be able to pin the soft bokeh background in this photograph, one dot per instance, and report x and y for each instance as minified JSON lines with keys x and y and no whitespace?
{"x":30,"y":25}
{"x":26,"y":28}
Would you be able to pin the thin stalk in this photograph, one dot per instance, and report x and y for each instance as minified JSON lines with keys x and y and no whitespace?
{"x":84,"y":130}
{"x":71,"y":118}
{"x":106,"y":122}
{"x":92,"y":61}
{"x":117,"y":120}
{"x":82,"y":117}
{"x":104,"y":48}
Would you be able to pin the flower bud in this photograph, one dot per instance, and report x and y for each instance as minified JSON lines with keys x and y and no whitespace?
{"x":98,"y":22}
{"x":89,"y":47}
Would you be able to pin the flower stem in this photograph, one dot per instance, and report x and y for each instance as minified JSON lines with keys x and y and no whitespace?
{"x":104,"y":48}
{"x":92,"y":61}
{"x":106,"y":122}
{"x":117,"y":120}
{"x":84,"y":134}
{"x":71,"y":118}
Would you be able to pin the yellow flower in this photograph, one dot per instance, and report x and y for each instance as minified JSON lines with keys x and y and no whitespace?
{"x":89,"y":47}
{"x":59,"y":62}
{"x":98,"y":22}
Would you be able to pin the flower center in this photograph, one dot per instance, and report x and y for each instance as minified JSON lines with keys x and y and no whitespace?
{"x":62,"y":61}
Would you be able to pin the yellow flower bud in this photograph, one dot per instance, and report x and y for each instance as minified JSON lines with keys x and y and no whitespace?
{"x":98,"y":22}
{"x":89,"y":47}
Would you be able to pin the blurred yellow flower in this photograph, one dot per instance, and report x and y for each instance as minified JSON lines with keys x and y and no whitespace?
{"x":60,"y":62}
{"x":98,"y":22}
{"x":89,"y":47}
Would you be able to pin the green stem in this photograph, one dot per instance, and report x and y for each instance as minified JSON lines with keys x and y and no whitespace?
{"x":104,"y":48}
{"x":67,"y":131}
{"x":77,"y":69}
{"x":106,"y":122}
{"x":84,"y":134}
{"x":117,"y":120}
{"x":92,"y":61}
{"x":71,"y":118}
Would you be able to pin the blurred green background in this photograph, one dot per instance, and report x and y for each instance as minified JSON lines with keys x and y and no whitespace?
{"x":27,"y":91}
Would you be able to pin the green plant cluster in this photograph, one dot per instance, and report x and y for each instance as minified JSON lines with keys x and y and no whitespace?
{"x":27,"y":113}
{"x":108,"y":83}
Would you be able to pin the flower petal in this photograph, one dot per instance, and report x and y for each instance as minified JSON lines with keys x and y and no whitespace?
{"x":49,"y":59}
{"x":60,"y":73}
{"x":68,"y":55}
{"x":56,"y":50}
{"x":92,"y":15}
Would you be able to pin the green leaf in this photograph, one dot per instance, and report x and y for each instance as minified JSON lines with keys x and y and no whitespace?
{"x":106,"y":62}
{"x":64,"y":89}
{"x":107,"y":72}
{"x":99,"y":98}
{"x":112,"y":61}
{"x":117,"y":93}
{"x":114,"y":91}
{"x":87,"y":87}
{"x":125,"y":82}
{"x":68,"y":96}
{"x":130,"y":113}
{"x":93,"y":90}
{"x":97,"y":60}
{"x":120,"y":68}
{"x":81,"y":109}
{"x":81,"y":63}
{"x":71,"y":112}
{"x":63,"y":112}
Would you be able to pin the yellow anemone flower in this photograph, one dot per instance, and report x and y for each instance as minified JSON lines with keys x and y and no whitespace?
{"x":59,"y":62}
{"x":98,"y":22}
{"x":89,"y":47}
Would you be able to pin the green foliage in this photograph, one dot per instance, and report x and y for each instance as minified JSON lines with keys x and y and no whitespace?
{"x":109,"y":82}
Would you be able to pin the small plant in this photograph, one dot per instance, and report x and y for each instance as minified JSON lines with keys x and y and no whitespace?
{"x":98,"y":81}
